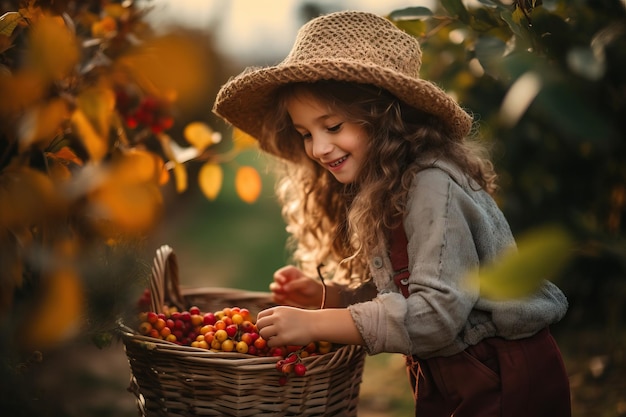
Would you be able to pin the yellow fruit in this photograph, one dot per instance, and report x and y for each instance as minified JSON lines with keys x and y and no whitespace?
{"x":228,"y":345}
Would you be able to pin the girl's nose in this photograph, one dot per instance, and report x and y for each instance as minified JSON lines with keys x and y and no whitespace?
{"x":321,"y":146}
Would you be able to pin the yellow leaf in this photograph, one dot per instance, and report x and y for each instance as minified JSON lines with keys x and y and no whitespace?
{"x":210,"y":179}
{"x":180,"y":172}
{"x":95,"y":144}
{"x":19,"y":91}
{"x":248,"y":184}
{"x":98,"y":105}
{"x":242,"y":140}
{"x":541,"y":254}
{"x":126,"y":207}
{"x":8,"y":22}
{"x":42,"y":123}
{"x":172,"y":66}
{"x":115,"y":10}
{"x":137,"y":166}
{"x":57,"y":317}
{"x":54,"y":50}
{"x":200,"y":135}
{"x":26,"y":197}
{"x":518,"y":15}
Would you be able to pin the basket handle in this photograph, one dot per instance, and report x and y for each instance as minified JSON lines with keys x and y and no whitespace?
{"x":164,"y":281}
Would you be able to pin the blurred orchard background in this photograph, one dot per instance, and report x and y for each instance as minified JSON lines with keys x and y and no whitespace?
{"x":108,"y":149}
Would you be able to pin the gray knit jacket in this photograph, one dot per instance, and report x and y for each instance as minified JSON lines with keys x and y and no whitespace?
{"x":453,"y":229}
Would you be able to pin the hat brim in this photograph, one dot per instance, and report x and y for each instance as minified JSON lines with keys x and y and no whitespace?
{"x":243,"y":101}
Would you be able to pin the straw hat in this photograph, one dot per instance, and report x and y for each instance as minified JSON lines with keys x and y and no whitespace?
{"x":344,"y":46}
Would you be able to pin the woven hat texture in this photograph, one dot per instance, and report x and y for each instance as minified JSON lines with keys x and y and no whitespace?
{"x":345,"y":46}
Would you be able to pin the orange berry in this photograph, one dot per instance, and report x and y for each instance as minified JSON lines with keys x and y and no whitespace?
{"x":228,"y":345}
{"x":260,"y":343}
{"x":221,"y":335}
{"x":207,"y":328}
{"x":237,"y":318}
{"x":242,"y":347}
{"x":145,"y":327}
{"x":159,"y":324}
{"x":197,"y":319}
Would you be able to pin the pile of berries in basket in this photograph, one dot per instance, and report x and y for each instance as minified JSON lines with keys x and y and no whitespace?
{"x":231,"y":329}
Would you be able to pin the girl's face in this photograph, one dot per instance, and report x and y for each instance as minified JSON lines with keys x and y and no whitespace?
{"x":336,"y":144}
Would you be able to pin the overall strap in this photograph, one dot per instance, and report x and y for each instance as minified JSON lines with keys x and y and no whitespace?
{"x":400,"y":259}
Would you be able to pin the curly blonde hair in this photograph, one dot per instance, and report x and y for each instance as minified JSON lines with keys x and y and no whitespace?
{"x":340,"y":225}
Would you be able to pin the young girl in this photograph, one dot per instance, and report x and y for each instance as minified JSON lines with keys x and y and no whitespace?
{"x":382,"y":188}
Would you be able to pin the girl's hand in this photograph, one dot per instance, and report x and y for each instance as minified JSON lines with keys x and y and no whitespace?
{"x":282,"y":326}
{"x":291,"y":287}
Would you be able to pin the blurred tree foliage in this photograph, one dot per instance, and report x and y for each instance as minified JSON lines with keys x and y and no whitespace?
{"x":547,"y":84}
{"x":94,"y":122}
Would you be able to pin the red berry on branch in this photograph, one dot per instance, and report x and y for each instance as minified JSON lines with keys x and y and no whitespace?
{"x":299,"y":369}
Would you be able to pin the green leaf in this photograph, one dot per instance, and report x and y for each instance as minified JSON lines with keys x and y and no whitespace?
{"x":410,"y":13}
{"x":484,"y":20}
{"x":541,"y":255}
{"x":416,"y":28}
{"x":513,"y":23}
{"x":489,"y":52}
{"x":8,"y":22}
{"x":456,"y":9}
{"x":489,"y":3}
{"x":578,"y":121}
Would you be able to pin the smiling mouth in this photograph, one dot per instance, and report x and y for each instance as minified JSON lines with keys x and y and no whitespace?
{"x":338,"y":162}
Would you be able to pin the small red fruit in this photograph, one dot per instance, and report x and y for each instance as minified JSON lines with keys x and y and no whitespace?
{"x":231,"y":330}
{"x":209,"y":318}
{"x":152,"y":317}
{"x":299,"y":369}
{"x":247,"y":326}
{"x":260,"y":343}
{"x":287,"y":368}
{"x":247,"y":339}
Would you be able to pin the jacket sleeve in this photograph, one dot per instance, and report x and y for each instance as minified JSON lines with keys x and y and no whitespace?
{"x":443,"y":261}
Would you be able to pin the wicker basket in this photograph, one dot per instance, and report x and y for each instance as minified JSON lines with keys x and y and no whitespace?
{"x":172,"y":380}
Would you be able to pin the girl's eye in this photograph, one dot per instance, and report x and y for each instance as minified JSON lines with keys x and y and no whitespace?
{"x":305,"y":136}
{"x":335,"y":128}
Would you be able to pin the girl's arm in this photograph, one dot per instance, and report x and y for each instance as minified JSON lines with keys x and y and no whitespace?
{"x":282,"y":326}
